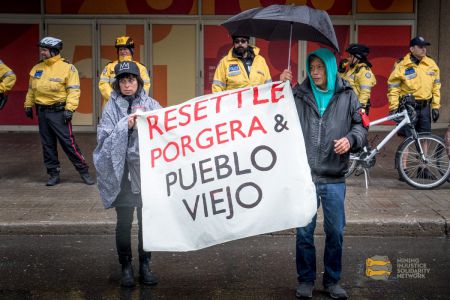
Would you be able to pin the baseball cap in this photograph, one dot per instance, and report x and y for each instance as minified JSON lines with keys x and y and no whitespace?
{"x":126,"y":67}
{"x":418,"y":41}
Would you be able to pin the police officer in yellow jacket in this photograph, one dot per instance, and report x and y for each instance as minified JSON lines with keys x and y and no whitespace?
{"x":125,"y":51}
{"x":7,"y":81}
{"x":416,"y":74}
{"x":54,"y":89}
{"x":242,"y":67}
{"x":359,"y":74}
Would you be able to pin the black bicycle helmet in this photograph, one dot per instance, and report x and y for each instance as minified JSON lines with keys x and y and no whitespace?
{"x":360,"y":51}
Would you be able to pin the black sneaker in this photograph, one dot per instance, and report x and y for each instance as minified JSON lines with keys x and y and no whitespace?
{"x":428,"y":175}
{"x":87,"y":178}
{"x":304,"y":290}
{"x":336,"y":291}
{"x":425,"y":174}
{"x":53,"y":180}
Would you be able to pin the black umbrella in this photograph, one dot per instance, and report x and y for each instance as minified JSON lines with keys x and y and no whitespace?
{"x":284,"y":22}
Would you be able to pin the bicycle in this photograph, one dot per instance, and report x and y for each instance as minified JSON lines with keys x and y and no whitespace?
{"x":421,"y":159}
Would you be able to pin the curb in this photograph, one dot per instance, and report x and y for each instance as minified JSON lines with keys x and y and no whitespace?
{"x":353,"y":228}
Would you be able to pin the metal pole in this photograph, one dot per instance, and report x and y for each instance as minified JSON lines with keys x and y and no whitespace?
{"x":290,"y":41}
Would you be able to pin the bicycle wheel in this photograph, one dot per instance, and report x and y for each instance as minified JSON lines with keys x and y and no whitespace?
{"x":352,"y":164}
{"x":423,"y":174}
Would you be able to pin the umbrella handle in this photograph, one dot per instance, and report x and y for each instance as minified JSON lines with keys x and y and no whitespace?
{"x":290,"y":41}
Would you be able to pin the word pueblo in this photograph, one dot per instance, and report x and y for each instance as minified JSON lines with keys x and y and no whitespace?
{"x":219,"y":168}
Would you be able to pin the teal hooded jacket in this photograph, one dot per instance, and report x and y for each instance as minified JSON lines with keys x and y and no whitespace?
{"x":323,"y":97}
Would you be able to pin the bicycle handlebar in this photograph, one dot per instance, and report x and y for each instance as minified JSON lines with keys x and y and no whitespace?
{"x":408,"y":102}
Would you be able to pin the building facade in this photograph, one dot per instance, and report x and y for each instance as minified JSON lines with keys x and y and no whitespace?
{"x":181,"y":42}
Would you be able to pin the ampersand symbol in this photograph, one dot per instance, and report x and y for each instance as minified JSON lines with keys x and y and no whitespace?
{"x":280,"y":124}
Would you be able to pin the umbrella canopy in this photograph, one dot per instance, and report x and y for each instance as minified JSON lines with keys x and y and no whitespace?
{"x":284,"y":22}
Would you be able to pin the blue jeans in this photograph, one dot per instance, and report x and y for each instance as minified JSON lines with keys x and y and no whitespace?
{"x":332,"y":196}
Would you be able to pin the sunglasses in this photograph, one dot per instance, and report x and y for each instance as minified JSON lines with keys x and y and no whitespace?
{"x":240,"y":41}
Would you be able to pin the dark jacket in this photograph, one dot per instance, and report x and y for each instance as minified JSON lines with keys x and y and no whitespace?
{"x":340,"y":119}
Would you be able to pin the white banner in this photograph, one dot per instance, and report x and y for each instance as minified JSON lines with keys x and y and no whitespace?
{"x":222,"y":167}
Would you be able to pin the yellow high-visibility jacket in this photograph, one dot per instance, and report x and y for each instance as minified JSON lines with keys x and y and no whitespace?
{"x":230,"y":73}
{"x":420,"y":80}
{"x":108,"y":77}
{"x":7,"y":78}
{"x":53,"y":81}
{"x":362,"y":81}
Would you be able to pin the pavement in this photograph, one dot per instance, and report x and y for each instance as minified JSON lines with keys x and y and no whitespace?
{"x":387,"y":208}
{"x":75,"y":267}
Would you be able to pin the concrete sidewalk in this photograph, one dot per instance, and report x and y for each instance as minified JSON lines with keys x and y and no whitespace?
{"x":27,"y":206}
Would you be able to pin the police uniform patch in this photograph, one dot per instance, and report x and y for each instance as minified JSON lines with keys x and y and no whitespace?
{"x":38,"y":73}
{"x":368,"y":75}
{"x":410,"y":73}
{"x":233,"y":68}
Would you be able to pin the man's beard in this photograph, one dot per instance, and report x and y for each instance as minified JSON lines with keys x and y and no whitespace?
{"x":240,"y":50}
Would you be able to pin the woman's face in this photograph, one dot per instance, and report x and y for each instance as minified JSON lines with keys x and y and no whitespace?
{"x":124,"y":51}
{"x":128,"y":85}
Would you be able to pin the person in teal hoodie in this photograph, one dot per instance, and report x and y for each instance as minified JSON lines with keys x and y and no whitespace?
{"x":328,"y":111}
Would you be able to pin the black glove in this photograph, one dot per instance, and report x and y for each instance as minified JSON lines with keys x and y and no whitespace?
{"x":29,"y":112}
{"x":67,"y":116}
{"x":343,"y":65}
{"x":365,"y":108}
{"x":435,"y":114}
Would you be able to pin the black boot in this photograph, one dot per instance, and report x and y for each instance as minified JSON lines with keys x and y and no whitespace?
{"x":53,"y":180}
{"x":87,"y":178}
{"x":145,"y":275}
{"x":127,"y":279}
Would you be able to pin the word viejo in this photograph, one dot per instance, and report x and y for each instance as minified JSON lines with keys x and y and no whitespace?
{"x":219,"y":201}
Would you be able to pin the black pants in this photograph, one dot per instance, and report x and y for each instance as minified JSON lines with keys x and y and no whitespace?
{"x":421,"y":124}
{"x":52,"y":128}
{"x":123,"y":234}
